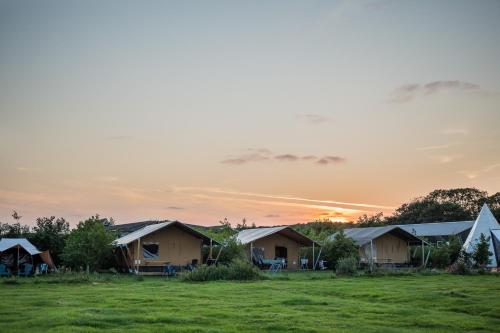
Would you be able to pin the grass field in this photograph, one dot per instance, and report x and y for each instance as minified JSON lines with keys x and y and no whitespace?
{"x":298,"y":302}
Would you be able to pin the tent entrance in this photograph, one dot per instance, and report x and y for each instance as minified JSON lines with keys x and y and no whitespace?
{"x":281,"y":252}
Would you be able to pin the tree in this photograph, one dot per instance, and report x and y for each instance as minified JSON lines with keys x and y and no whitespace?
{"x":50,"y":234}
{"x":375,"y":220}
{"x":89,"y":245}
{"x":469,"y":199}
{"x":481,"y":254}
{"x":494,"y":204}
{"x":423,"y":210}
{"x":338,"y":248}
{"x":15,"y":230}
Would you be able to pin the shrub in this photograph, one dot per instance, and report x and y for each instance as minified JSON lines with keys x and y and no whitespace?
{"x":440,"y":257}
{"x":237,"y":270}
{"x":338,"y":248}
{"x":347,"y":266}
{"x":232,"y":250}
{"x":463,"y":264}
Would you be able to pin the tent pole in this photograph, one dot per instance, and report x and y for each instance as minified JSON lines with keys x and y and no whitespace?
{"x":210,"y":252}
{"x":423,"y":254}
{"x":371,"y":254}
{"x":314,"y":263}
{"x":17,"y":260}
{"x":138,"y":254}
{"x":251,"y":252}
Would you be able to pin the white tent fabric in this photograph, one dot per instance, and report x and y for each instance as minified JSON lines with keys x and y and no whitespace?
{"x":485,"y":224}
{"x":7,"y":243}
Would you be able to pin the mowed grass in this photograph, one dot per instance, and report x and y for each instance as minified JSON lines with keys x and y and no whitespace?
{"x":294,"y":302}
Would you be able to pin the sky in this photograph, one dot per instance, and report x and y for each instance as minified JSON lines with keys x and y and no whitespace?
{"x":278,"y":112}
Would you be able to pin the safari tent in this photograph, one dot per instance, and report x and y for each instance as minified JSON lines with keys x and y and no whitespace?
{"x":383,"y":245}
{"x":276,"y":243}
{"x":148,"y":249}
{"x":487,"y":225}
{"x":17,"y":253}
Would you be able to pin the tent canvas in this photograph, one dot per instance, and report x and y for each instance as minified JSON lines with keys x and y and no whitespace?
{"x":485,"y":224}
{"x":15,"y":252}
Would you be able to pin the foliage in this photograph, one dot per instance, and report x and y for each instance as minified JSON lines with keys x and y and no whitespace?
{"x":319,"y":230}
{"x":463,"y":264}
{"x":440,"y":257}
{"x":89,"y":245}
{"x":425,"y":210}
{"x":50,"y":234}
{"x":375,"y":220}
{"x":481,"y":254}
{"x":231,"y":250}
{"x":236,"y":270}
{"x":338,"y":248}
{"x":347,"y":266}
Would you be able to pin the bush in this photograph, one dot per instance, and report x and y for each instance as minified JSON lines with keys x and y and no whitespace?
{"x":338,"y":248}
{"x":347,"y":266}
{"x":232,"y":250}
{"x":238,"y":269}
{"x":440,"y":257}
{"x":463,"y":265}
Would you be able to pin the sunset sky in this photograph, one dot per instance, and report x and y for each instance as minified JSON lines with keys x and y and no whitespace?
{"x":277,"y":111}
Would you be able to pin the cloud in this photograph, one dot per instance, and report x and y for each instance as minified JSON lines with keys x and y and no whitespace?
{"x":26,"y":169}
{"x":408,"y":92}
{"x":457,"y":131}
{"x":287,"y":157}
{"x":443,"y":159}
{"x":330,"y":160}
{"x":314,"y":118}
{"x":174,"y":208}
{"x":259,"y":155}
{"x":271,"y":216}
{"x":252,"y":155}
{"x":438,"y":147}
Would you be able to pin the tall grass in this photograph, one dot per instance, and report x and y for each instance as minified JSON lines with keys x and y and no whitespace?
{"x":237,"y":270}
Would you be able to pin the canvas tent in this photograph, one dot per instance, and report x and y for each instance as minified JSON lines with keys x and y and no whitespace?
{"x":383,"y":245}
{"x":485,"y":224}
{"x":15,"y":252}
{"x":277,"y":242}
{"x":148,"y":249}
{"x":439,"y":231}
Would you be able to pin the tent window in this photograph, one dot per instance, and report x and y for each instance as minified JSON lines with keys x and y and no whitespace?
{"x":150,"y":251}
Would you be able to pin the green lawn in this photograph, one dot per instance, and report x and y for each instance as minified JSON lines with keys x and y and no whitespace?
{"x":298,"y":302}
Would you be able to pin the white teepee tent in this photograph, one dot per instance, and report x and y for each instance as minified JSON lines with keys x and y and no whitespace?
{"x":485,"y":224}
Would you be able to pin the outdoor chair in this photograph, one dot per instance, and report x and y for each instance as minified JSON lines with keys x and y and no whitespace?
{"x":322,"y":265}
{"x":43,"y":269}
{"x":304,"y":262}
{"x":27,"y":270}
{"x":169,"y":270}
{"x":4,"y":271}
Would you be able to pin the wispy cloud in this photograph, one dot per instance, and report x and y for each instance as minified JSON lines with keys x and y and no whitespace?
{"x":271,"y":216}
{"x":438,"y":147}
{"x":314,"y":118}
{"x":443,"y":159}
{"x":174,"y":207}
{"x":287,"y":157}
{"x":251,"y":155}
{"x":455,"y":131}
{"x":279,"y":197}
{"x":378,"y":5}
{"x":27,"y":169}
{"x":260,"y":155}
{"x":408,"y":92}
{"x":330,"y":160}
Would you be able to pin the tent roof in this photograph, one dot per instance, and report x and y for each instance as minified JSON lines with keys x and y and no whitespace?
{"x":249,"y":235}
{"x":7,"y":243}
{"x":437,"y":228}
{"x":129,"y":238}
{"x":485,"y":224}
{"x":363,"y":236}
